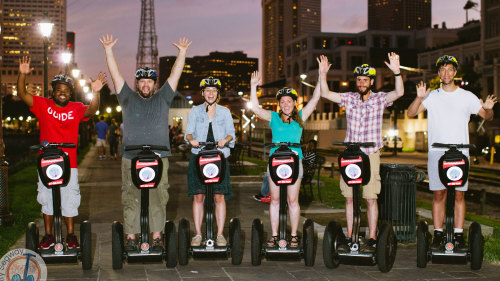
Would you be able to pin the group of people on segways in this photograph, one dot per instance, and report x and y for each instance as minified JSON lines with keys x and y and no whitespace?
{"x":211,"y":133}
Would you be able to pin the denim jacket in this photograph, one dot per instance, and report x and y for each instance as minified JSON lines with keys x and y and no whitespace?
{"x":222,"y":126}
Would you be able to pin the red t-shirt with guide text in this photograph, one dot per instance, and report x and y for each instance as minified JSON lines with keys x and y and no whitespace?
{"x":59,"y":124}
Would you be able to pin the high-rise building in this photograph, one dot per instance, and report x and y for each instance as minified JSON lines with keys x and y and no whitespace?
{"x":282,"y":21}
{"x":399,"y":14}
{"x":21,"y":37}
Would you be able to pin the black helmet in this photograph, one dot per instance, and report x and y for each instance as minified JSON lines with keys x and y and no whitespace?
{"x":145,"y":73}
{"x":365,"y":70}
{"x":287,"y":92}
{"x":210,"y":81}
{"x":62,"y":79}
{"x":447,"y":60}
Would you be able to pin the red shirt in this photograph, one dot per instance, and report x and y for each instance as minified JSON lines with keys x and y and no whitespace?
{"x":59,"y":124}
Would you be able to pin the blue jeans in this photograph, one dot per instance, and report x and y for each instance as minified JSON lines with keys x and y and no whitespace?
{"x":265,"y":185}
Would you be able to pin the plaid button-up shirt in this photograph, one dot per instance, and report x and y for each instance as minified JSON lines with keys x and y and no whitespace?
{"x":364,"y":119}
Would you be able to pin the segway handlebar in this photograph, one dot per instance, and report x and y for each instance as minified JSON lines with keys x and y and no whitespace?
{"x":146,"y":147}
{"x":45,"y":144}
{"x":447,"y":145}
{"x":358,"y":144}
{"x":208,"y":143}
{"x":283,"y":144}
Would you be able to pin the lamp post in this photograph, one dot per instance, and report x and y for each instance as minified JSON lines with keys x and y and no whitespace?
{"x":46,"y":29}
{"x":303,"y":77}
{"x":66,"y":59}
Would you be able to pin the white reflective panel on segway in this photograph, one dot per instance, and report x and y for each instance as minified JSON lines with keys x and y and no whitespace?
{"x":147,"y":174}
{"x":210,"y":170}
{"x":454,"y":173}
{"x":54,"y":172}
{"x":283,"y":171}
{"x":353,"y":171}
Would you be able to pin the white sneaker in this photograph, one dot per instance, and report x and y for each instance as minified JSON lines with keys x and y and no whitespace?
{"x":196,"y":241}
{"x":221,"y":241}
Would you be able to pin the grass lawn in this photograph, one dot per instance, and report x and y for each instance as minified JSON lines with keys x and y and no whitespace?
{"x":22,"y":200}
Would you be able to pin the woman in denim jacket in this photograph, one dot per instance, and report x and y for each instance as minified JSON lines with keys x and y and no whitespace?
{"x":209,"y":122}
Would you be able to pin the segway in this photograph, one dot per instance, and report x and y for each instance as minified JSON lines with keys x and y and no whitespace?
{"x":211,"y":169}
{"x":55,"y":171}
{"x":284,"y":170}
{"x":453,"y":173}
{"x":146,"y":170}
{"x":355,"y":169}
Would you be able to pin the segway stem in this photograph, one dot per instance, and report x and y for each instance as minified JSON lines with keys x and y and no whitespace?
{"x":56,"y":206}
{"x":283,"y":211}
{"x":450,"y":213}
{"x":356,"y":214}
{"x":209,"y":214}
{"x":144,"y":219}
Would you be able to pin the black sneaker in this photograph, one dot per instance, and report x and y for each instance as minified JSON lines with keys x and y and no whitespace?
{"x":130,"y":245}
{"x":459,"y":241}
{"x":157,"y":245}
{"x":257,"y":197}
{"x":370,"y":246}
{"x":345,"y":245}
{"x":437,"y":242}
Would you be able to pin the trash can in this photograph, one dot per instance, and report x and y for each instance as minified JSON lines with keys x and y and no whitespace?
{"x":397,"y":199}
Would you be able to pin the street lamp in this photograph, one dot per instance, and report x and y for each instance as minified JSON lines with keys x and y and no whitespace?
{"x":303,"y":77}
{"x":75,"y":72}
{"x":46,"y":29}
{"x":66,"y":59}
{"x":82,"y":82}
{"x":108,"y":109}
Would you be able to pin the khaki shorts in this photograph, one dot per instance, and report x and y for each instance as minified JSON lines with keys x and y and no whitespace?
{"x":100,"y":142}
{"x":372,"y":189}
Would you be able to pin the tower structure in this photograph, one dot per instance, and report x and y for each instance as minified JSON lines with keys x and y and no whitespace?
{"x":147,"y":50}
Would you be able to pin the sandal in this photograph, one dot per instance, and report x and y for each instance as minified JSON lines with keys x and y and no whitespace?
{"x":294,"y":242}
{"x":272,"y":242}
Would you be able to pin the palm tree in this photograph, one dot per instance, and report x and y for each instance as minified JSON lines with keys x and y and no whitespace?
{"x":469,"y":5}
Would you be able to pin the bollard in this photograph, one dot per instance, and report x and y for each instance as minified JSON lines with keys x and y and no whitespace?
{"x":482,"y":201}
{"x":5,"y":216}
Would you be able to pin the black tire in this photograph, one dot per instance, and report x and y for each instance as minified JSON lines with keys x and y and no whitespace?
{"x":257,"y":230}
{"x":86,"y":247}
{"x":32,"y":237}
{"x":308,"y":242}
{"x":170,"y":241}
{"x":235,"y":241}
{"x":422,"y":244}
{"x":183,"y":241}
{"x":386,"y":248}
{"x":332,"y":237}
{"x":117,"y":245}
{"x":476,"y":246}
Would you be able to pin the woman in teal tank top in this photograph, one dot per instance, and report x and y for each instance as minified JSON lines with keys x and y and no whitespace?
{"x":286,"y":126}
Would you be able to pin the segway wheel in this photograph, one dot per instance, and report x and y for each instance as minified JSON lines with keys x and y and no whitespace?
{"x":170,"y":241}
{"x":235,"y":241}
{"x":422,"y":244}
{"x":331,"y":238}
{"x":308,"y":243}
{"x":257,"y":230}
{"x":117,"y":245}
{"x":32,"y":237}
{"x":86,"y":247}
{"x":476,"y":246}
{"x":183,"y":241}
{"x":386,"y":248}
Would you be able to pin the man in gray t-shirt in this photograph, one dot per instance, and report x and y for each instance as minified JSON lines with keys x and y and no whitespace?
{"x":145,"y":117}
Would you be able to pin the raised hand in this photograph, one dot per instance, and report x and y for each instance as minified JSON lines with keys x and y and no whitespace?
{"x":255,"y":79}
{"x":324,"y":65}
{"x":489,"y":103}
{"x":393,"y":63}
{"x":107,"y":41}
{"x":183,"y":44}
{"x":98,"y":83}
{"x":422,"y":91}
{"x":24,"y":65}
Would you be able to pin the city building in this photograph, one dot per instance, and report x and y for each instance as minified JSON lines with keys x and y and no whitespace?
{"x":399,"y":14}
{"x":21,"y":37}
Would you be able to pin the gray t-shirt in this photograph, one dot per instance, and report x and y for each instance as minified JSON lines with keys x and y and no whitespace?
{"x":145,"y":120}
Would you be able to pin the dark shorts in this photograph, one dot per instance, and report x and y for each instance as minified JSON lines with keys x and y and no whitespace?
{"x":195,"y":186}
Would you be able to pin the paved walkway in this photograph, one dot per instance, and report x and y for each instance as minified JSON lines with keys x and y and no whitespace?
{"x":100,"y":183}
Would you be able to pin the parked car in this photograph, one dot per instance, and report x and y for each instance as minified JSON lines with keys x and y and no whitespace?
{"x":389,"y":143}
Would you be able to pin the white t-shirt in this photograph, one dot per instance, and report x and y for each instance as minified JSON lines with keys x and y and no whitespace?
{"x":448,"y":115}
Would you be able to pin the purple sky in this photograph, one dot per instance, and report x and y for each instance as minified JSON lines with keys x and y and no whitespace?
{"x":215,"y":25}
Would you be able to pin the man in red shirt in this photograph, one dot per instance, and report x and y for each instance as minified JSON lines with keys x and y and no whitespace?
{"x":58,"y":120}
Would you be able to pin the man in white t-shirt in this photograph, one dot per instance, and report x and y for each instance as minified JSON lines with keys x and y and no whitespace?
{"x":448,"y":113}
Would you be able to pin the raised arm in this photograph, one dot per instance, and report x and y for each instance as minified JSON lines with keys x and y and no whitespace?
{"x":108,"y":43}
{"x":394,"y":66}
{"x":175,"y":73}
{"x":311,"y":105}
{"x":96,"y":86}
{"x":324,"y":66}
{"x":486,"y":110}
{"x":262,"y":113}
{"x":416,"y":106}
{"x":24,"y":69}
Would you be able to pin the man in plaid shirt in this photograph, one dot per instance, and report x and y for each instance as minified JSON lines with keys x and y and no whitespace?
{"x":364,"y":112}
